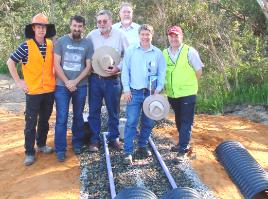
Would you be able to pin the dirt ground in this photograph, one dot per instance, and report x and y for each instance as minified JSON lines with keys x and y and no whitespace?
{"x":48,"y":178}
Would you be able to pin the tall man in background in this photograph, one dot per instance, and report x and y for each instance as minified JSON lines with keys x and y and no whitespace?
{"x":126,"y":24}
{"x":72,"y":58}
{"x":36,"y":55}
{"x":107,"y":88}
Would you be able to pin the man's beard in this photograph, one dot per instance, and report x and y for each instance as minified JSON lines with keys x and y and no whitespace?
{"x":126,"y":20}
{"x":76,"y":35}
{"x":104,"y":30}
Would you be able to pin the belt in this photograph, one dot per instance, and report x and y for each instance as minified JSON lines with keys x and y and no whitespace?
{"x":102,"y":77}
{"x":143,"y":89}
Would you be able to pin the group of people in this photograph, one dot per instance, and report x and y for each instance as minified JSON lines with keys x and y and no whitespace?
{"x":64,"y":72}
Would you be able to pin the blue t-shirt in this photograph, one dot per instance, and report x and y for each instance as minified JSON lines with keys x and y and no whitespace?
{"x":74,"y":54}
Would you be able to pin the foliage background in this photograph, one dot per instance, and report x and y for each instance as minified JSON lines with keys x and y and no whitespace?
{"x":230,"y":35}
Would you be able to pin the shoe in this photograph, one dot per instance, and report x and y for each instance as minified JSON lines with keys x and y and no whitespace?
{"x":175,"y":148}
{"x":77,"y":150}
{"x":29,"y":160}
{"x":61,"y":156}
{"x":117,"y":145}
{"x":45,"y":149}
{"x":93,"y":147}
{"x":127,"y":160}
{"x":144,"y":152}
{"x":180,"y":157}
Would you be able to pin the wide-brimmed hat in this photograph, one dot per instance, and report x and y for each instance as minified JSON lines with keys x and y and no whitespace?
{"x":156,"y":107}
{"x":40,"y":19}
{"x":104,"y":57}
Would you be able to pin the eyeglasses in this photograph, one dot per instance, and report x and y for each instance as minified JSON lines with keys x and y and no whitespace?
{"x":102,"y":21}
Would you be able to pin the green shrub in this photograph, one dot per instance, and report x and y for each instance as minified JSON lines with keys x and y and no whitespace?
{"x":3,"y":67}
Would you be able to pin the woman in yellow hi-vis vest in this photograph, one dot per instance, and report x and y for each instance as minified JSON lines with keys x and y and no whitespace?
{"x":184,"y":68}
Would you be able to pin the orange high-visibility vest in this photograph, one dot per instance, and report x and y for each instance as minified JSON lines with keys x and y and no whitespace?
{"x":39,"y":72}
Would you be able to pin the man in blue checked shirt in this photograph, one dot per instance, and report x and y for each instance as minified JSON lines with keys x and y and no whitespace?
{"x":140,"y":63}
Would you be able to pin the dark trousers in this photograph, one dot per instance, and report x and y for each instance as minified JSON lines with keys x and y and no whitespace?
{"x":184,"y":115}
{"x":38,"y":111}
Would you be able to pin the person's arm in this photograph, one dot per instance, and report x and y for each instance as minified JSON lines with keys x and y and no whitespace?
{"x":195,"y":62}
{"x":198,"y":74}
{"x":161,"y":73}
{"x":125,"y":79}
{"x":58,"y":69}
{"x":14,"y":73}
{"x":73,"y":83}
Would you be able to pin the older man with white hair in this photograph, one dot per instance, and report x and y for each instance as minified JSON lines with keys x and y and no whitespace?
{"x":126,"y":24}
{"x":106,"y":87}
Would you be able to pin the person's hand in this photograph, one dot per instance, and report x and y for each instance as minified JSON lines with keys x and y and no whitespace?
{"x":127,"y":96}
{"x":71,"y":85}
{"x":22,"y":85}
{"x":112,"y":70}
{"x":157,"y":92}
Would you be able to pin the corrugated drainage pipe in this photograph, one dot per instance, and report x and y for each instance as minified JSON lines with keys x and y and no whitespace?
{"x":182,"y":193}
{"x":244,"y":170}
{"x":135,"y":193}
{"x":127,"y":193}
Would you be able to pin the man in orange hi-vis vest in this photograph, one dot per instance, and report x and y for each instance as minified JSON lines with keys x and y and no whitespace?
{"x":38,"y":83}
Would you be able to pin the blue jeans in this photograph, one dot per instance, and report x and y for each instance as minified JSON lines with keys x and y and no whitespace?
{"x":109,"y":89}
{"x":62,"y":98}
{"x":133,"y":111}
{"x":184,"y":116}
{"x":37,"y":113}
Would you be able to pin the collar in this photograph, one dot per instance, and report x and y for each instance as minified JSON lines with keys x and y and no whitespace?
{"x":129,"y":27}
{"x":147,"y":50}
{"x":45,"y":42}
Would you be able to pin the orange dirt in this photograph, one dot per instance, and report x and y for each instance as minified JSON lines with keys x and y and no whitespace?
{"x":48,"y":178}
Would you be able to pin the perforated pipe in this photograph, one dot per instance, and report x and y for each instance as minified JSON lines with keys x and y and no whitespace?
{"x":244,"y":170}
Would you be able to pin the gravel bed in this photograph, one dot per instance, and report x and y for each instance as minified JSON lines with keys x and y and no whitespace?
{"x":145,"y":173}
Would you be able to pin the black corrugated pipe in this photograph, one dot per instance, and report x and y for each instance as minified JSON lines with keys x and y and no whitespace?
{"x":244,"y":170}
{"x":182,"y":193}
{"x":135,"y":193}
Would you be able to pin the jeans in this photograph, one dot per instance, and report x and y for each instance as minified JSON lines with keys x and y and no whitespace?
{"x":109,"y":89}
{"x":62,"y":98}
{"x":133,"y":111}
{"x":38,"y":110}
{"x":184,"y":117}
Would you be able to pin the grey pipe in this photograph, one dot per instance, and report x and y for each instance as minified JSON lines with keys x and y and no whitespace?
{"x":109,"y":168}
{"x":163,"y":165}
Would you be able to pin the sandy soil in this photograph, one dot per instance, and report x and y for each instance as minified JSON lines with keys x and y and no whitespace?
{"x":48,"y":178}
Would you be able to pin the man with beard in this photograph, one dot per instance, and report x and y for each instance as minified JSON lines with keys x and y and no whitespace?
{"x":72,"y":60}
{"x":126,"y":25}
{"x":38,"y":83}
{"x":108,"y":87}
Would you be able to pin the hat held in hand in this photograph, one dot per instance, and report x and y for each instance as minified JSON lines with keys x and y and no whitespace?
{"x":156,"y":107}
{"x":103,"y":58}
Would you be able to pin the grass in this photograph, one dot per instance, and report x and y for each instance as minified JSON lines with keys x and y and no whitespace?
{"x":3,"y":67}
{"x":246,"y":94}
